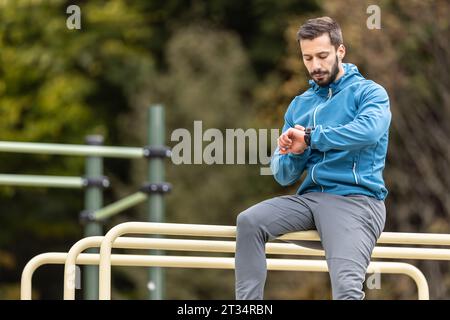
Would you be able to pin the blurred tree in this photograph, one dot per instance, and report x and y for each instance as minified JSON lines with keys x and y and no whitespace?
{"x":58,"y":85}
{"x":208,"y":79}
{"x":259,"y":24}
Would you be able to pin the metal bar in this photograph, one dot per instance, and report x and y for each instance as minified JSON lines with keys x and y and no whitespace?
{"x":272,"y":248}
{"x":212,"y":263}
{"x":41,"y":181}
{"x":69,"y":265}
{"x":228,"y":247}
{"x":202,"y":230}
{"x":120,"y":206}
{"x":156,"y":137}
{"x":229,"y":231}
{"x":93,"y":200}
{"x":71,"y":149}
{"x":440,"y":239}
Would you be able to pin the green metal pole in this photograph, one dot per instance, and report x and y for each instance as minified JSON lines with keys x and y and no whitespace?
{"x":23,"y":180}
{"x":119,"y":206}
{"x":71,"y":149}
{"x":93,"y":201}
{"x":156,"y":137}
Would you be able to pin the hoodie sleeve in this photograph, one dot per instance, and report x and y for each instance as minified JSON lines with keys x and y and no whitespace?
{"x":367,"y":128}
{"x":287,"y":168}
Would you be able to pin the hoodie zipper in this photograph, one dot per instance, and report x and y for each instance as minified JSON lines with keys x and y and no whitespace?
{"x":330,"y":93}
{"x":354,"y":172}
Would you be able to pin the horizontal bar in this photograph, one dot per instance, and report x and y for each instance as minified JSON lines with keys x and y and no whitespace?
{"x":41,"y":181}
{"x":71,"y":149}
{"x":440,"y":239}
{"x":214,"y":230}
{"x":206,"y":230}
{"x":272,"y":248}
{"x":230,"y":247}
{"x":211,"y":263}
{"x":119,"y":206}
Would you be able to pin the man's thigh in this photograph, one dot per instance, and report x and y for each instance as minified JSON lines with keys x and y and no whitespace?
{"x":279,"y":215}
{"x":349,"y":226}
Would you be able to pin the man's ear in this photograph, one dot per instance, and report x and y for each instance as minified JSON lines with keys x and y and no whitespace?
{"x":341,"y":52}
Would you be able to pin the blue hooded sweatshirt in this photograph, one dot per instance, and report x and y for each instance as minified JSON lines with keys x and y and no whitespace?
{"x":347,"y":153}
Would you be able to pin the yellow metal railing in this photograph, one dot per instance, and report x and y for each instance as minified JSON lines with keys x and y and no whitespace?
{"x":211,"y":262}
{"x":114,"y":239}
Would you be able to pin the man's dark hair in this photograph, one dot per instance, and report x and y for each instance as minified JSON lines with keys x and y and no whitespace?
{"x":314,"y":28}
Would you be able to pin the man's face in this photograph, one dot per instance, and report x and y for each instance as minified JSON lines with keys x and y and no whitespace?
{"x":321,"y":59}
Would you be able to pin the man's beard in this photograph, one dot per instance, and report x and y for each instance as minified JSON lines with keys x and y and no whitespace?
{"x":326,"y":81}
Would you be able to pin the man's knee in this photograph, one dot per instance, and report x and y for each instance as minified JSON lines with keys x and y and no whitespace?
{"x":252,"y":221}
{"x":247,"y":220}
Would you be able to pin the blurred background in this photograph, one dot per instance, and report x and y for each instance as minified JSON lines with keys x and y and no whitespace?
{"x":230,"y":64}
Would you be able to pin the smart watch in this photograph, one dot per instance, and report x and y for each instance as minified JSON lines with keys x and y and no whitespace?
{"x":307,"y":136}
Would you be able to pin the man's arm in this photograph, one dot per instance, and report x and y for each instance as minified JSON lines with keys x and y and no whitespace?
{"x":288,"y":167}
{"x":370,"y":124}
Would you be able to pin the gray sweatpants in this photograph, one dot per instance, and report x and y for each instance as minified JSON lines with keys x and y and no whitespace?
{"x":349,"y":227}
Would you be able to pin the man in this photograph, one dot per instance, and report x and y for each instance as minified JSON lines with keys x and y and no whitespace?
{"x":336,"y":131}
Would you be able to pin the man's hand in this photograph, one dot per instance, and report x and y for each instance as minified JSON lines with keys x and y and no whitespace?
{"x":292,"y":141}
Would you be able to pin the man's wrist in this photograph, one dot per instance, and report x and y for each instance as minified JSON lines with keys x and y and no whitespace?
{"x":296,"y":155}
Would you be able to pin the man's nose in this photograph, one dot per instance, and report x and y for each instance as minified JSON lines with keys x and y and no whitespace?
{"x":316,"y":65}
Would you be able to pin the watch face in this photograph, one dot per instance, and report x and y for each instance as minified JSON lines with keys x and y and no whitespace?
{"x":307,"y":138}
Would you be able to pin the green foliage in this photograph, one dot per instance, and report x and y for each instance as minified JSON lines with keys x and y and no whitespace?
{"x":58,"y":85}
{"x":230,"y":64}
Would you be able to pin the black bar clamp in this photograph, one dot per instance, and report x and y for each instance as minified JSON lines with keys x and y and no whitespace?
{"x":157,"y":152}
{"x":96,"y":182}
{"x":162,"y":187}
{"x":86,"y":216}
